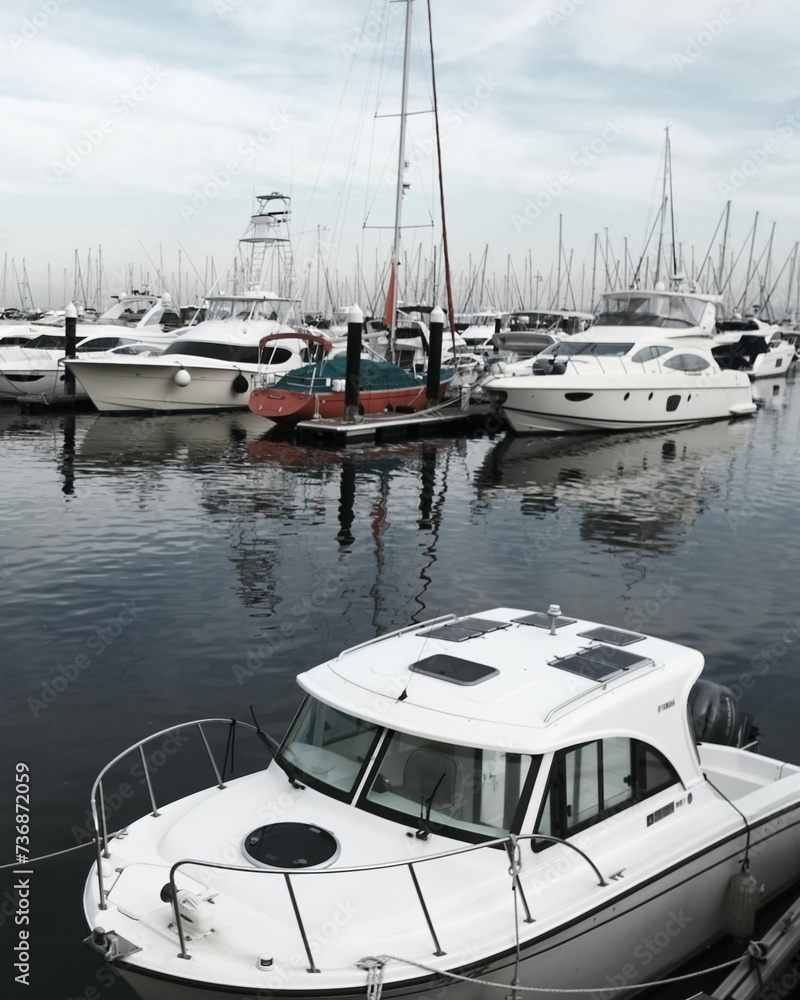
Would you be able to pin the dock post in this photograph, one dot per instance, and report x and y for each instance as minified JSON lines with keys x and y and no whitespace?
{"x":70,"y":347}
{"x":434,"y":359}
{"x":352,"y":385}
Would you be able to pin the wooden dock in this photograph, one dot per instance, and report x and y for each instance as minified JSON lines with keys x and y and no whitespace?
{"x":384,"y":427}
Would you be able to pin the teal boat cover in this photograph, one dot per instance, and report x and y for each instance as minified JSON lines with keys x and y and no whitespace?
{"x":374,"y":375}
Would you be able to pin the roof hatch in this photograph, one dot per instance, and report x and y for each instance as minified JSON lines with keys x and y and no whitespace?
{"x":453,"y":669}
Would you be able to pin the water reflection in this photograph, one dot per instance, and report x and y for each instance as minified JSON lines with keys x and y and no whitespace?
{"x":641,"y":490}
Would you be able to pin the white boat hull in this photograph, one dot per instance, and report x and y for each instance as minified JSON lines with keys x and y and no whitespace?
{"x":559,"y":404}
{"x":116,"y":387}
{"x":656,"y":911}
{"x":776,"y":361}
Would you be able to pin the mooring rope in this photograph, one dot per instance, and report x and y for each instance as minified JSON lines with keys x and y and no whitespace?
{"x":375,"y":965}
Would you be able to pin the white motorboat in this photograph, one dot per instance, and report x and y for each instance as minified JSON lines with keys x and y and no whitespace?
{"x":210,"y":366}
{"x":509,"y":798}
{"x":759,"y":348}
{"x":207,"y":367}
{"x":648,"y":361}
{"x":35,"y":372}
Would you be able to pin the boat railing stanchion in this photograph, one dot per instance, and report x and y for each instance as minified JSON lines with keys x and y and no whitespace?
{"x":146,"y":767}
{"x":173,"y":891}
{"x":427,"y":915}
{"x":98,"y":844}
{"x":220,"y":783}
{"x":312,"y":967}
{"x":103,"y":826}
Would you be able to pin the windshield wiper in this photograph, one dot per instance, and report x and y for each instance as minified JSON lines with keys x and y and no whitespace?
{"x":274,"y":748}
{"x":425,"y":806}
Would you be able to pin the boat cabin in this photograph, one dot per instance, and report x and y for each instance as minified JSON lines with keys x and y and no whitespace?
{"x":511,"y":722}
{"x":659,"y":308}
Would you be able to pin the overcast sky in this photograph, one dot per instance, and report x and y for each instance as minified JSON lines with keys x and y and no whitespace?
{"x":146,"y":128}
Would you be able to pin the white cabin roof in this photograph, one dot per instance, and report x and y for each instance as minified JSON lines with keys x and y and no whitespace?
{"x":531,"y":699}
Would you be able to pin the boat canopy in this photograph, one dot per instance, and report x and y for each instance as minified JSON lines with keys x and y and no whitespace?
{"x":653,"y":308}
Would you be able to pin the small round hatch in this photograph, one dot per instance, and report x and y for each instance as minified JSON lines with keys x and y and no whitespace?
{"x":291,"y":846}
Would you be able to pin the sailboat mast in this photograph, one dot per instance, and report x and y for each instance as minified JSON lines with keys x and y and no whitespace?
{"x":663,"y":208}
{"x":401,"y":166}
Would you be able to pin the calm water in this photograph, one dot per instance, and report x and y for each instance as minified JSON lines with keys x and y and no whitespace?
{"x":158,"y":570}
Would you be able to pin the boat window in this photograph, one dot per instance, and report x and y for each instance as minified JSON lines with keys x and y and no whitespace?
{"x":650,"y":353}
{"x":590,"y":782}
{"x":102,"y":344}
{"x":234,"y":353}
{"x":687,"y":363}
{"x":570,"y":348}
{"x":47,"y":341}
{"x":329,"y":749}
{"x":462,"y":792}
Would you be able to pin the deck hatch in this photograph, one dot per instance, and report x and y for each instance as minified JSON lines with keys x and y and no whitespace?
{"x":540,"y":620}
{"x":599,"y":662}
{"x":466,"y":628}
{"x":613,"y":635}
{"x":453,"y":669}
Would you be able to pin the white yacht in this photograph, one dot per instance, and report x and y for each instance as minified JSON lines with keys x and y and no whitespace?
{"x":511,"y":798}
{"x":35,"y":372}
{"x":759,"y":348}
{"x":206,"y":367}
{"x":210,"y":365}
{"x":647,"y":361}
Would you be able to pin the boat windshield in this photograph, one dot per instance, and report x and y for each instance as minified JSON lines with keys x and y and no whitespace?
{"x":281,"y":310}
{"x":650,"y":309}
{"x":570,"y":348}
{"x":47,"y":341}
{"x":462,"y":792}
{"x":328,"y":749}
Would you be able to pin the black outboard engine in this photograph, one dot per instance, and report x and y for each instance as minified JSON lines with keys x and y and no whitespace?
{"x":716,"y":717}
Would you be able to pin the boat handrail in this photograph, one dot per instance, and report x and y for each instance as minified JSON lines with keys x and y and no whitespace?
{"x":407,"y":628}
{"x":510,"y":843}
{"x":623,"y":677}
{"x":100,"y":828}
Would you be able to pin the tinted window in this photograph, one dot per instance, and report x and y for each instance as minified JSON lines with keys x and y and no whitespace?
{"x":218,"y":352}
{"x":463,"y":792}
{"x":590,"y":782}
{"x":687,"y":363}
{"x":650,"y":353}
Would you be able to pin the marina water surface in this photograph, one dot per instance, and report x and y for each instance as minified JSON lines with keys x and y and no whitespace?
{"x":156,"y":570}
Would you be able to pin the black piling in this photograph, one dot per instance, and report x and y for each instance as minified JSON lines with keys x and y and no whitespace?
{"x":434,"y":359}
{"x":352,"y":386}
{"x":70,"y":349}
